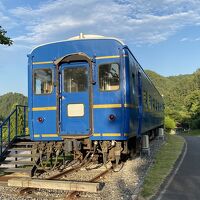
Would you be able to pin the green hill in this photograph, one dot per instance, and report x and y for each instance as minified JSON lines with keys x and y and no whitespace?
{"x":181,"y":95}
{"x":8,"y":101}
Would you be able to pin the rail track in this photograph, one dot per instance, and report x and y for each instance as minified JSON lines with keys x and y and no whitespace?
{"x":4,"y":180}
{"x":57,"y":176}
{"x":75,"y":194}
{"x":73,"y":174}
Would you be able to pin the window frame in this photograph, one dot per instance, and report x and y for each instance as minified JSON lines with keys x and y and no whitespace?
{"x":133,"y":83}
{"x":75,"y":67}
{"x":119,"y":77}
{"x":145,"y":99}
{"x":154,"y":104}
{"x":33,"y":83}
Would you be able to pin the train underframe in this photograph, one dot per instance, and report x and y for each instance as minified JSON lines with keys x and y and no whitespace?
{"x":50,"y":155}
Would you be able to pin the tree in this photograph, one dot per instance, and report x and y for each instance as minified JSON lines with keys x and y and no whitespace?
{"x":20,"y":124}
{"x":192,"y":103}
{"x":181,"y":97}
{"x":8,"y":100}
{"x":197,"y":79}
{"x":1,"y":119}
{"x":169,"y":123}
{"x":3,"y":38}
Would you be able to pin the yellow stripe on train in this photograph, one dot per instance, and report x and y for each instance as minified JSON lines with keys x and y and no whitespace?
{"x":98,"y":58}
{"x":95,"y":135}
{"x":107,"y":106}
{"x":95,"y":106}
{"x":107,"y":57}
{"x":107,"y":134}
{"x":44,"y":108}
{"x":46,"y":135}
{"x":42,"y":63}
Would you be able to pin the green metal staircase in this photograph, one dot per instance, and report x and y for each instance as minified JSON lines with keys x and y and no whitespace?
{"x":15,"y":145}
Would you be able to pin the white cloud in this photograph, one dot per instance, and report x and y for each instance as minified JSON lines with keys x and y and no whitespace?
{"x":5,"y":20}
{"x":184,"y":39}
{"x":136,"y":21}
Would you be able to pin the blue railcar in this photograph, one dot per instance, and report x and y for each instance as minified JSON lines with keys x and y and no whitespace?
{"x":90,"y":91}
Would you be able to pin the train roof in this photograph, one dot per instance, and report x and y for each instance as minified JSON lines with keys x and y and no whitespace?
{"x":89,"y":37}
{"x":83,"y":37}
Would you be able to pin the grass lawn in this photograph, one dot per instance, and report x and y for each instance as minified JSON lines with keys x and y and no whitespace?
{"x":191,"y":133}
{"x":164,"y":163}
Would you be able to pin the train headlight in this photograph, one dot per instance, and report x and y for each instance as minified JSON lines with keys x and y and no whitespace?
{"x":112,"y":117}
{"x":40,"y":119}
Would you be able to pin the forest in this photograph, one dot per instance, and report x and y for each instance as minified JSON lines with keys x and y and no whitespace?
{"x":181,"y":96}
{"x":9,"y":101}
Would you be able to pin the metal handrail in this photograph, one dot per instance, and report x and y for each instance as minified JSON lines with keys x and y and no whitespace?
{"x":7,"y":123}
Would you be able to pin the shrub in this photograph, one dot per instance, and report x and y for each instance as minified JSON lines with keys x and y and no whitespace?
{"x":169,"y":123}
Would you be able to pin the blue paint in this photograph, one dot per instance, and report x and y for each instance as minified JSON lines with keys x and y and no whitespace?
{"x":133,"y":120}
{"x":74,"y":125}
{"x":140,"y":108}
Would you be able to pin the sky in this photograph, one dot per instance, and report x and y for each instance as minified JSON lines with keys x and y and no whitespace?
{"x":164,"y":35}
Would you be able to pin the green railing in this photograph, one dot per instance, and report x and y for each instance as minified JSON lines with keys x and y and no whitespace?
{"x":13,"y":126}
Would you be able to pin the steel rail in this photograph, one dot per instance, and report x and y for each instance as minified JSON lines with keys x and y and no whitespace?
{"x":74,"y":195}
{"x":53,"y":177}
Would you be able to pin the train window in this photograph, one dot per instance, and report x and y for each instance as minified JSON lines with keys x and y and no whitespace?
{"x":75,"y":79}
{"x":145,"y":99}
{"x":109,"y":77}
{"x":133,"y":79}
{"x":42,"y":81}
{"x":153,"y":103}
{"x":150,"y":102}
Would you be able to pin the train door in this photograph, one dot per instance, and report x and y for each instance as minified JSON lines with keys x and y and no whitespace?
{"x":74,"y":99}
{"x":139,"y":104}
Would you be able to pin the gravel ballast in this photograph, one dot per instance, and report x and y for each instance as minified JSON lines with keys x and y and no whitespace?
{"x":122,"y":185}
